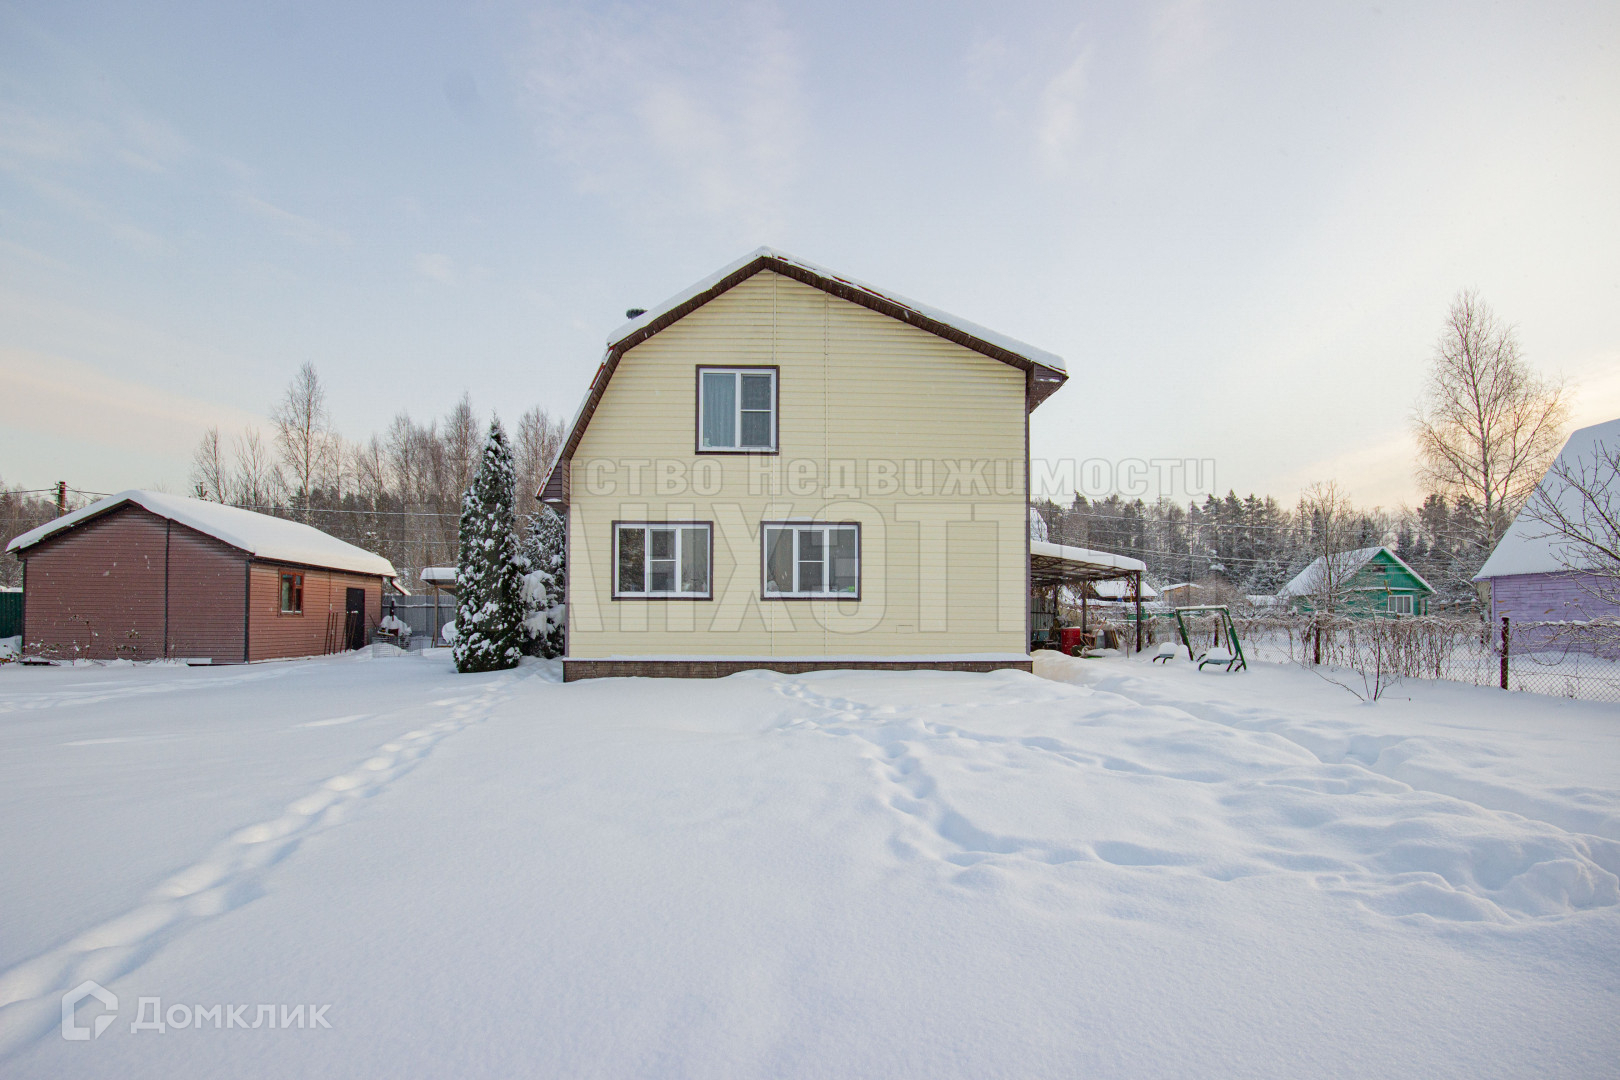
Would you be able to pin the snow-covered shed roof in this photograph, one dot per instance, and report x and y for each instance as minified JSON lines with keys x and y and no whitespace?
{"x":1059,"y":564}
{"x":1528,"y":546}
{"x":439,"y":575}
{"x":260,"y":535}
{"x":1121,"y":590}
{"x":1047,"y":371}
{"x":1307,"y":580}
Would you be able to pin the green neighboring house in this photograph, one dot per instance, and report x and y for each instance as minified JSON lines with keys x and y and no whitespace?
{"x":1376,"y":582}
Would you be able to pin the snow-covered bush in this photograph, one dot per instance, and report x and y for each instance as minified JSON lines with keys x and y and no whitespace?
{"x":545,"y":579}
{"x":489,"y":601}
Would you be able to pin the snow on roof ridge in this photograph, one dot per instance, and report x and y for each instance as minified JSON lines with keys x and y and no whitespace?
{"x":1010,"y":344}
{"x":260,"y":535}
{"x":1355,"y":560}
{"x":1528,"y":546}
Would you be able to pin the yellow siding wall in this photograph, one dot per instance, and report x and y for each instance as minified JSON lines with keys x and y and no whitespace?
{"x":863,"y":398}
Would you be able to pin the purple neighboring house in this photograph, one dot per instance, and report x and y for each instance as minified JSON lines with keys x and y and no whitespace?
{"x":1534,"y":578}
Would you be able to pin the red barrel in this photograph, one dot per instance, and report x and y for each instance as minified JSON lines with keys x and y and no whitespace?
{"x":1069,"y":638}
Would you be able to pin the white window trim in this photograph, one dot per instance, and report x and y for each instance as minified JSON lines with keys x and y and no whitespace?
{"x":737,"y":418}
{"x":1407,"y":602}
{"x":824,"y":527}
{"x":679,"y":528}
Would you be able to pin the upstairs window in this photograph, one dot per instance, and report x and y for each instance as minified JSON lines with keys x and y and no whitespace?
{"x":807,"y":561}
{"x":667,"y":561}
{"x":736,"y":410}
{"x":292,"y":594}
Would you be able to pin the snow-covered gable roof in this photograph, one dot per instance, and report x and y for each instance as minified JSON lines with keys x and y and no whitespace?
{"x":263,"y":537}
{"x":1047,"y":370}
{"x":1307,"y":580}
{"x":1527,"y":547}
{"x":782,"y":260}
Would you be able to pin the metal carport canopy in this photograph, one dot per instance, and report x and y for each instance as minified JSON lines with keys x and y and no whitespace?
{"x":1058,"y":564}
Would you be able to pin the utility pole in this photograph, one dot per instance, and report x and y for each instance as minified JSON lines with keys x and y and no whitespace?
{"x":61,"y":497}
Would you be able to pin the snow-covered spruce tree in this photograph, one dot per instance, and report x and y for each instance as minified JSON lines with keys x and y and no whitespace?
{"x":545,"y":595}
{"x":489,"y":577}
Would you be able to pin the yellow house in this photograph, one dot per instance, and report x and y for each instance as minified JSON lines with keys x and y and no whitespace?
{"x":783,"y":468}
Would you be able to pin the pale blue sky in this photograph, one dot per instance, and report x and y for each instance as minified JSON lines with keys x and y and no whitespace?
{"x":1241,"y":224}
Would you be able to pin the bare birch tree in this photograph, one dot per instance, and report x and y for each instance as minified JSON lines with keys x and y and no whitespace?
{"x":303,"y":433}
{"x":257,"y":483}
{"x":1487,"y":424}
{"x":19,"y":512}
{"x":539,"y":438}
{"x":210,"y":476}
{"x":1578,"y":508}
{"x":461,"y":445}
{"x":371,"y":472}
{"x":1334,"y":530}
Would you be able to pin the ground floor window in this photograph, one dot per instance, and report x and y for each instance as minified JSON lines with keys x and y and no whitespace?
{"x":1400,"y":605}
{"x":812,"y":559}
{"x":662,"y":561}
{"x":292,"y":594}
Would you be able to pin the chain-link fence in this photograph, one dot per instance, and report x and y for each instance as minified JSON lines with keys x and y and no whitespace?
{"x":1563,"y":659}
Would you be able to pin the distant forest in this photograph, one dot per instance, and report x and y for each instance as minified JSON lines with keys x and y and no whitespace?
{"x":397,"y":493}
{"x":1486,"y":425}
{"x":1254,"y":545}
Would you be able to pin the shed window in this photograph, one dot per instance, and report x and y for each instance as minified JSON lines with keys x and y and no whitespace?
{"x":812,"y":560}
{"x":737,"y":409}
{"x":1400,"y":605}
{"x":662,"y":561}
{"x":292,"y":594}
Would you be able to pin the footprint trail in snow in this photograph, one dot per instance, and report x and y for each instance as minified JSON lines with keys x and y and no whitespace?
{"x":232,"y":875}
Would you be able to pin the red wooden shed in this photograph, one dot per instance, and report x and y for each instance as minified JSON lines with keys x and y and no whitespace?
{"x":145,"y":575}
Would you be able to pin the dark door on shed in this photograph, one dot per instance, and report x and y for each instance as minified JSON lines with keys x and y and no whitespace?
{"x":354,"y":604}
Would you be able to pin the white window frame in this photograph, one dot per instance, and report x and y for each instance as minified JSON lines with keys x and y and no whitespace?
{"x":826,"y":528}
{"x":737,"y":373}
{"x":1403,"y":601}
{"x":679,"y":528}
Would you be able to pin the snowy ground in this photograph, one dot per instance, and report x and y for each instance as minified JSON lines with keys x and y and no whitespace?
{"x":1116,"y":870}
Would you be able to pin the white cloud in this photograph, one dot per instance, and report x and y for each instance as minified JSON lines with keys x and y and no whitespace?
{"x":434,"y":266}
{"x":1058,"y":129}
{"x":101,"y":129}
{"x":27,"y":135}
{"x":673,"y":111}
{"x":301,"y":228}
{"x":1181,"y":39}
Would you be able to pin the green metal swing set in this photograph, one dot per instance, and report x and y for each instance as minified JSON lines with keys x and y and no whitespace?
{"x":1232,"y":658}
